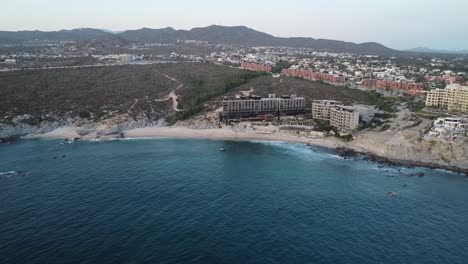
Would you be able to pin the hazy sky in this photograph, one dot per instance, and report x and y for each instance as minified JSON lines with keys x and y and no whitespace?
{"x":400,"y":24}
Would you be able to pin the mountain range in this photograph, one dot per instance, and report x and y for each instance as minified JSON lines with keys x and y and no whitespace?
{"x":428,"y":50}
{"x":238,"y":35}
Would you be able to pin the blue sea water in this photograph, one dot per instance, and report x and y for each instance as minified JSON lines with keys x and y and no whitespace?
{"x":184,"y":201}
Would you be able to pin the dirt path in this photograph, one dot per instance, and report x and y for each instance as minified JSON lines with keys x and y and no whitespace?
{"x":248,"y":92}
{"x":131,"y":107}
{"x":172,"y":95}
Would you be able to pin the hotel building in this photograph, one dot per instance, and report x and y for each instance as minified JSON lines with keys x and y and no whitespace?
{"x":454,"y":98}
{"x":321,"y":108}
{"x":342,"y":117}
{"x":252,"y":106}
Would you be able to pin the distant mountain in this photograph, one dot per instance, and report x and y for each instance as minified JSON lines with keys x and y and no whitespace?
{"x":150,"y":35}
{"x":428,"y":50}
{"x":239,"y":35}
{"x":15,"y":37}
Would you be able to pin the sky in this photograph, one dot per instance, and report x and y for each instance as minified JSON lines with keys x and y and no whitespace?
{"x":399,"y":24}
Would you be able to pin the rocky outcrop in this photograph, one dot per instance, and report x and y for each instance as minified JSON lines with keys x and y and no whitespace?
{"x":433,"y":153}
{"x":21,"y":125}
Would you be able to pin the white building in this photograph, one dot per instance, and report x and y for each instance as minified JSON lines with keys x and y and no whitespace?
{"x":450,"y":123}
{"x":10,"y":61}
{"x":449,"y":128}
{"x":321,"y":108}
{"x":342,"y":117}
{"x":454,"y":98}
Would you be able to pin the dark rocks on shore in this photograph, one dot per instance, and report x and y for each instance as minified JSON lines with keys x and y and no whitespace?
{"x":418,"y":174}
{"x":8,"y":139}
{"x":382,"y":160}
{"x":347,"y":153}
{"x":367,"y":156}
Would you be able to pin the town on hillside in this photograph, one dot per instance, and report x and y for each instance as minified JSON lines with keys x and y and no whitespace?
{"x":319,"y":92}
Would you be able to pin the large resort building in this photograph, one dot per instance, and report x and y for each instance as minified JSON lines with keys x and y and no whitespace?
{"x":342,"y":117}
{"x":254,"y":106}
{"x":321,"y":109}
{"x":454,"y":98}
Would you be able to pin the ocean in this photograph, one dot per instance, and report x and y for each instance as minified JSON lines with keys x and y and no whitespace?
{"x":184,"y":201}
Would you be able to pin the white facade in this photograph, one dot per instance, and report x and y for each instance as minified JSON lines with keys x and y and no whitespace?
{"x":454,"y":98}
{"x":10,"y":61}
{"x":321,"y":108}
{"x":342,"y":117}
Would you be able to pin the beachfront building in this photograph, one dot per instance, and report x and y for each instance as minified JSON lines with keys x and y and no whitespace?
{"x":252,"y":106}
{"x":342,"y":117}
{"x":321,"y":108}
{"x":454,"y":98}
{"x":449,"y":128}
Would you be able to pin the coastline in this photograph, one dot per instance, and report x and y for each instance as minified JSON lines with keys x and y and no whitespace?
{"x":184,"y":132}
{"x":224,"y":134}
{"x":343,"y":149}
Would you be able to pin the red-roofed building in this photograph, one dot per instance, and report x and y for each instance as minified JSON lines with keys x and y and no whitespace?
{"x":256,"y":67}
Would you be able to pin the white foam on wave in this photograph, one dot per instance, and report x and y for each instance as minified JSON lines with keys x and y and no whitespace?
{"x":335,"y":156}
{"x":447,"y":171}
{"x":143,"y":138}
{"x":125,"y":139}
{"x":8,"y":173}
{"x":268,"y":142}
{"x":297,"y":149}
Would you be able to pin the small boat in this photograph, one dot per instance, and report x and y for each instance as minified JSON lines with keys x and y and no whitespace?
{"x":222,"y":149}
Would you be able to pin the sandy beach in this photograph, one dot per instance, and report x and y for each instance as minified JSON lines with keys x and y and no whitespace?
{"x":184,"y":132}
{"x":62,"y":133}
{"x":226,"y":134}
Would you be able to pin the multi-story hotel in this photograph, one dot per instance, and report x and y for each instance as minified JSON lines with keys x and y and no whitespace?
{"x":454,"y":98}
{"x":340,"y":116}
{"x":251,"y":106}
{"x":344,"y":117}
{"x":321,"y":108}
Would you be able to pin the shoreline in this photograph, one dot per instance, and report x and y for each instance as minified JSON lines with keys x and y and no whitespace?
{"x":341,"y":148}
